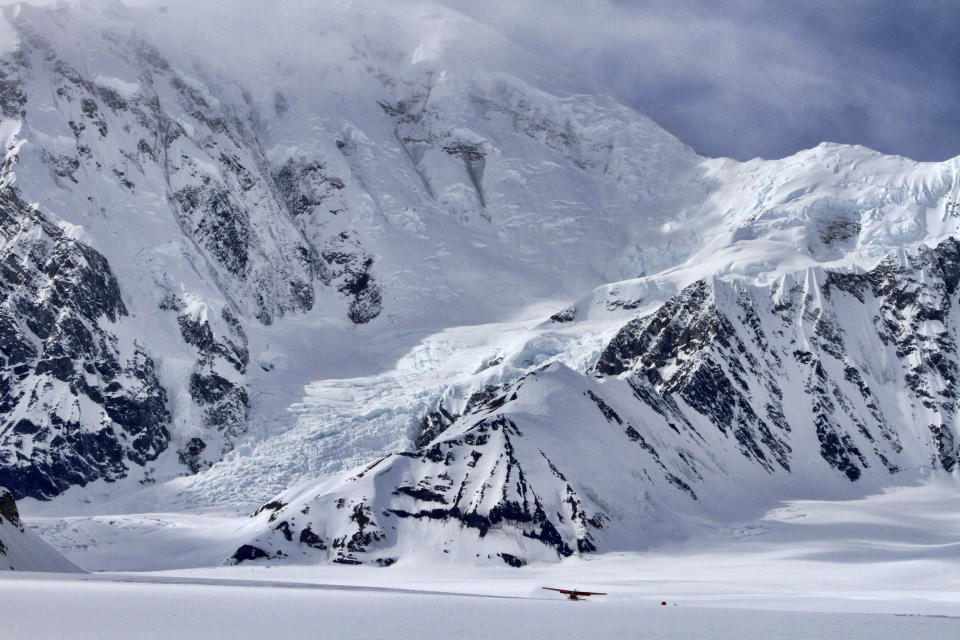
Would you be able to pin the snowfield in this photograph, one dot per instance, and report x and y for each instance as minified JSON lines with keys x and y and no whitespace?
{"x":54,"y":607}
{"x":885,"y":566}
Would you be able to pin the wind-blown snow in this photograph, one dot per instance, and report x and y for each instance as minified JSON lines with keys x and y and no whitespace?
{"x":9,"y":40}
{"x":124,"y":89}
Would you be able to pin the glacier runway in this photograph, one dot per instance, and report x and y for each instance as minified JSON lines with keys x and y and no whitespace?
{"x":144,"y":606}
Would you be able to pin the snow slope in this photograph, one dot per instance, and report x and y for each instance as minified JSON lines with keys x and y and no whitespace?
{"x":23,"y":550}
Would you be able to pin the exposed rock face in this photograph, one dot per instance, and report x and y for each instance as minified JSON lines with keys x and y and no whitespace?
{"x":20,"y":548}
{"x":8,"y":509}
{"x":349,"y":270}
{"x":77,"y":404}
{"x":216,"y":383}
{"x":83,"y":397}
{"x":738,"y":355}
{"x":11,"y":518}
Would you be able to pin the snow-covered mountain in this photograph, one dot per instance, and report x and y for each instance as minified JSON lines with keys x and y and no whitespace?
{"x":728,"y":390}
{"x":219,"y":212}
{"x":461,"y":302}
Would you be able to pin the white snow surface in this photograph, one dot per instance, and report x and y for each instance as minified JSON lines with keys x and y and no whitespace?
{"x":884,"y":566}
{"x":23,"y":550}
{"x":9,"y":41}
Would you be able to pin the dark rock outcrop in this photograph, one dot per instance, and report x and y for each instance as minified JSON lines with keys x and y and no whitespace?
{"x":72,"y":407}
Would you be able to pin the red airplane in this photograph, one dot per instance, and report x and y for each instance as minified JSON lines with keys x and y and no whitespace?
{"x":575,"y":595}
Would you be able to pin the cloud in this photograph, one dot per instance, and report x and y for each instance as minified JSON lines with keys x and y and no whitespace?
{"x":746,"y":78}
{"x":738,"y":78}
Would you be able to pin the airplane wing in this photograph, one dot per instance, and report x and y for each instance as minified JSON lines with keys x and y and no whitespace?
{"x":560,"y":590}
{"x":590,"y":593}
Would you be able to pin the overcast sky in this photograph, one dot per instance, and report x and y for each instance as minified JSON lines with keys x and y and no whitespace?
{"x":739,"y":78}
{"x":745,"y":78}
